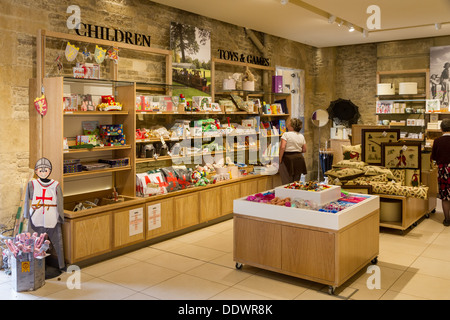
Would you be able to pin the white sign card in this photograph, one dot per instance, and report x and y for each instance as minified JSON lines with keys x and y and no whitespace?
{"x":136,"y":221}
{"x":154,"y":216}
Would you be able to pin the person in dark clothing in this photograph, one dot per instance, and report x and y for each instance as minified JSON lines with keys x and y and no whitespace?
{"x":441,"y":154}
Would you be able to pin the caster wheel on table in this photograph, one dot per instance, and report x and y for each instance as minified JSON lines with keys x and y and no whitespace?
{"x":427,"y":216}
{"x":433,"y":211}
{"x":238,"y":265}
{"x":331,"y":290}
{"x":374,"y":260}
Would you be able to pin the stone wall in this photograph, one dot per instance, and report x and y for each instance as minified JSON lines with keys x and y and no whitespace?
{"x":347,"y":72}
{"x":19,"y":23}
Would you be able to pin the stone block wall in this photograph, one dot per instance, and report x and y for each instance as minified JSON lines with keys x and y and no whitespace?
{"x":347,"y":72}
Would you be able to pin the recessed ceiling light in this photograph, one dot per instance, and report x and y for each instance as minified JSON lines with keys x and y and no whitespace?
{"x":437,"y":26}
{"x":351,"y":28}
{"x":284,"y":1}
{"x":332,"y":19}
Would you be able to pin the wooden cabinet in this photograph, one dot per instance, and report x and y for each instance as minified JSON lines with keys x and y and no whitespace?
{"x":186,"y":210}
{"x":161,"y":210}
{"x":128,"y":225}
{"x":210,"y":204}
{"x":87,"y":237}
{"x":228,"y":194}
{"x":248,"y":188}
{"x":257,"y":242}
{"x":304,"y":246}
{"x":322,"y":255}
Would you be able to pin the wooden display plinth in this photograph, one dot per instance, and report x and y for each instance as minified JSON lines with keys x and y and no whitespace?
{"x":324,"y":255}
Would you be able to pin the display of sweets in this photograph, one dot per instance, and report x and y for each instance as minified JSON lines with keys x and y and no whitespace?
{"x":336,"y":206}
{"x":308,"y":186}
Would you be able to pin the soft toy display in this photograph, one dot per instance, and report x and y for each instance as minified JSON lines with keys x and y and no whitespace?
{"x":44,"y":207}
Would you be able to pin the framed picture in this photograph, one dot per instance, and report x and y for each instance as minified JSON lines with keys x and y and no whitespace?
{"x":401,"y":155}
{"x":357,"y":189}
{"x":371,"y":140}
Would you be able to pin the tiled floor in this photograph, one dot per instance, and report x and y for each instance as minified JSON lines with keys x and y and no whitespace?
{"x":199,"y":265}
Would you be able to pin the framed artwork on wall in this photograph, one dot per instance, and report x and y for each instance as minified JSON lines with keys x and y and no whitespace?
{"x":401,"y":155}
{"x":371,"y":140}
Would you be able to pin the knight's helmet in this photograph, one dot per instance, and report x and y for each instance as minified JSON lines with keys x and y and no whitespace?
{"x":43,"y":163}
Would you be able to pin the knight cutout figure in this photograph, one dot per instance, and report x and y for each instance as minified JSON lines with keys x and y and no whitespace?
{"x":44,"y":207}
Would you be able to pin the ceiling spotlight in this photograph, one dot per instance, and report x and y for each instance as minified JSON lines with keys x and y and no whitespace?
{"x":331,"y":19}
{"x":437,"y":26}
{"x":284,"y":1}
{"x":351,"y":28}
{"x":341,"y":23}
{"x":365,"y":33}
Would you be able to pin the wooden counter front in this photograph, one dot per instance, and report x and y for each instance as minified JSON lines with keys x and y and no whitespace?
{"x":322,"y":255}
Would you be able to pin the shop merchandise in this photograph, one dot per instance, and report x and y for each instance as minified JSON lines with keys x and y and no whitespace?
{"x":309,"y":186}
{"x":26,"y":242}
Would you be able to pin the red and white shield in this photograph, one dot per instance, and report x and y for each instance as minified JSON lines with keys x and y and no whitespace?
{"x":41,"y":105}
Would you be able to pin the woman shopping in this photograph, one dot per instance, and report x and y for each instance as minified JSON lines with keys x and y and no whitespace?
{"x":293,"y":144}
{"x":441,"y":154}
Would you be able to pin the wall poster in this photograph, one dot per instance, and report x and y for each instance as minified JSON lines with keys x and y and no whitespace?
{"x":154,"y":216}
{"x":191,"y":60}
{"x":136,"y":221}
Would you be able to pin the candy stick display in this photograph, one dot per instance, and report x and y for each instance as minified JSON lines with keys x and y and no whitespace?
{"x":28,"y":243}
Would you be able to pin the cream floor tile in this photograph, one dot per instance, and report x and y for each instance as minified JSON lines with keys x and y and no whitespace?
{"x":143,"y":254}
{"x":288,"y":279}
{"x":107,"y":266}
{"x":4,"y":278}
{"x":94,"y":289}
{"x":63,"y":282}
{"x":167,"y":245}
{"x":185,"y":287}
{"x":8,"y":293}
{"x":311,"y":294}
{"x":395,"y":259}
{"x":197,"y":252}
{"x":443,"y":239}
{"x":220,"y":274}
{"x":387,"y":277}
{"x":402,"y":245}
{"x":392,"y":295}
{"x":140,"y":296}
{"x":139,"y":276}
{"x":195,"y":236}
{"x":227,"y":261}
{"x":175,"y":262}
{"x":219,"y":241}
{"x":437,"y":251}
{"x":423,"y":286}
{"x":274,"y":289}
{"x":362,"y":292}
{"x":237,"y":294}
{"x":221,"y":227}
{"x":432,"y":267}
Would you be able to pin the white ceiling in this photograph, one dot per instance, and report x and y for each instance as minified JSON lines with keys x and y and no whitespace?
{"x":307,"y":21}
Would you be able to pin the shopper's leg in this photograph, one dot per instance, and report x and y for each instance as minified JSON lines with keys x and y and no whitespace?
{"x":446,"y":209}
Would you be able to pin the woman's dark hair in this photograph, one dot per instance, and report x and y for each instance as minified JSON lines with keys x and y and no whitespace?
{"x":445,"y":125}
{"x":296,"y":124}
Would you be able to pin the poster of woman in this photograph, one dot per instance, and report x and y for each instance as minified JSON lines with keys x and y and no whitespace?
{"x":440,"y":75}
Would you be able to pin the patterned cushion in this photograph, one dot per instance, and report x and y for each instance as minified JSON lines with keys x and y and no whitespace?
{"x":376,"y":170}
{"x":378,"y":178}
{"x":398,"y":190}
{"x":350,"y":164}
{"x":352,"y":153}
{"x":344,"y":173}
{"x":399,"y":175}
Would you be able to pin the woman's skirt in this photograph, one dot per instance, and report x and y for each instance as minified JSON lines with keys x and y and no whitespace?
{"x":292,"y":167}
{"x":444,"y":181}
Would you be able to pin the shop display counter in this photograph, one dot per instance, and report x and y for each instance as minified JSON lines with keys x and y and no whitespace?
{"x":323,"y":247}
